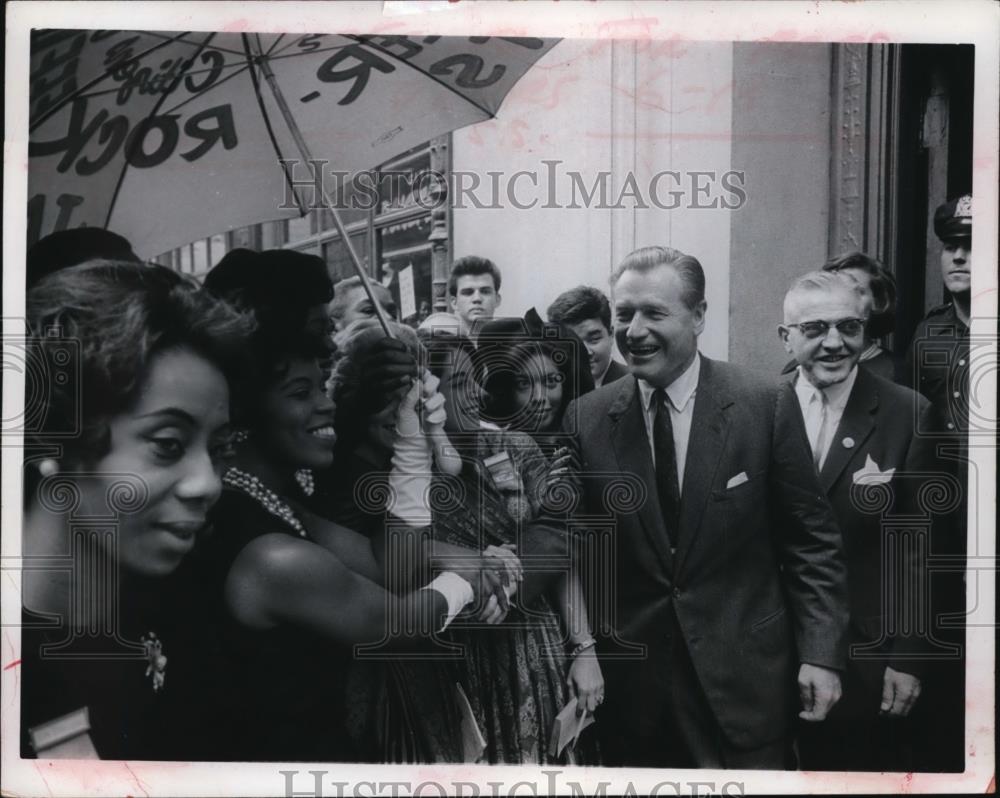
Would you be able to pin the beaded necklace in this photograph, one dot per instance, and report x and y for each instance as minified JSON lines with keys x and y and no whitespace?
{"x":267,"y":498}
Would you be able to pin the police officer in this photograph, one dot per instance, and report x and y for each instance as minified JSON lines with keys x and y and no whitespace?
{"x":937,"y":365}
{"x":938,"y":359}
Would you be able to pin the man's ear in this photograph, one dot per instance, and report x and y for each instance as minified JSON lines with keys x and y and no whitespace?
{"x":499,"y":299}
{"x":699,"y":317}
{"x":783,"y":335}
{"x":451,"y":302}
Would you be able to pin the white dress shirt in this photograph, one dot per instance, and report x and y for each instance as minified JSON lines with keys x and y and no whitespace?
{"x":680,"y":401}
{"x":811,"y":398}
{"x":600,"y":380}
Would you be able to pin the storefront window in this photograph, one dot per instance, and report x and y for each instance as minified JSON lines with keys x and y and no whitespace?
{"x":217,"y":244}
{"x":186,"y":259}
{"x":338,"y":261}
{"x":200,"y":256}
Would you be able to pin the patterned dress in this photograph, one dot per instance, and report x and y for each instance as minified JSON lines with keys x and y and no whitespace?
{"x":514,"y":674}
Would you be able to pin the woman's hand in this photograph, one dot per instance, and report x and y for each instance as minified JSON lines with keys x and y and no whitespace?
{"x":487,"y":584}
{"x":563,"y":475}
{"x":434,"y":414}
{"x":407,"y":415}
{"x":513,"y":572}
{"x":585,"y":681}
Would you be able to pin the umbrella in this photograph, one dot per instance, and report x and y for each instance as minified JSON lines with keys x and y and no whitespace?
{"x":170,"y":137}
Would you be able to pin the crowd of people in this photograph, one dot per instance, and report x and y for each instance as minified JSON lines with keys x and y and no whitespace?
{"x":273,"y":526}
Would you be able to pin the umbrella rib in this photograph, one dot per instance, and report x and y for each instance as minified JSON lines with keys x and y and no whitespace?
{"x":423,"y":72}
{"x":137,"y":141}
{"x":182,"y":40}
{"x":267,"y":125}
{"x":80,"y":91}
{"x":275,"y":43}
{"x":285,"y":54}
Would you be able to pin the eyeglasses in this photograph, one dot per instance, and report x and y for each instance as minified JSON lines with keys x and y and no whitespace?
{"x":848,"y":328}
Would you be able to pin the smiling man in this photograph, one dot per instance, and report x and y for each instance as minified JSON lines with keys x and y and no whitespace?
{"x":730,"y":570}
{"x":587,"y":312}
{"x":862,"y":432}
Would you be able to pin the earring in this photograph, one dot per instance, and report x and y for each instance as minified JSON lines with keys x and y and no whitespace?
{"x":48,"y":467}
{"x":241,"y":435}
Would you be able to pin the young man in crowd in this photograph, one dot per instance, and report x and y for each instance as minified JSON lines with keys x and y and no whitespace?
{"x":473,"y":292}
{"x":587,"y":312}
{"x":730,"y":570}
{"x":862,"y":432}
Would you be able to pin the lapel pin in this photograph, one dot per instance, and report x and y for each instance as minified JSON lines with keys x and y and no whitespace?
{"x":848,"y":442}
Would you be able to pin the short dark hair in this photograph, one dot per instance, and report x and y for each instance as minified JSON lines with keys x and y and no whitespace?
{"x":687,"y":267}
{"x":580,"y":304}
{"x":66,"y":248}
{"x":472,"y":265}
{"x":882,"y":320}
{"x":278,"y":285}
{"x":118,"y":315}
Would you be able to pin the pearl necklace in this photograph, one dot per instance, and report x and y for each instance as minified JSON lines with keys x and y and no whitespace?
{"x":268,"y":499}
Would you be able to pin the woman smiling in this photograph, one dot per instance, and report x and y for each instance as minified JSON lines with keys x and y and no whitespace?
{"x":296,"y":592}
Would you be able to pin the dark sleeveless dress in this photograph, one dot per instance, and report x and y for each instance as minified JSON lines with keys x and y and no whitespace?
{"x":278,"y":695}
{"x":108,"y":674}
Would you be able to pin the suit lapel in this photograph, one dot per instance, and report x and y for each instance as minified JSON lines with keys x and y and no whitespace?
{"x":631,"y":445}
{"x":706,"y":444}
{"x":855,"y":426}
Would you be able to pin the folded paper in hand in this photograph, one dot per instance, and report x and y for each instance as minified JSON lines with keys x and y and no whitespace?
{"x":567,"y":728}
{"x":473,"y":742}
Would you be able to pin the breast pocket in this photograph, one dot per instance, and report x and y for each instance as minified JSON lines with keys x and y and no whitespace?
{"x":740,"y":491}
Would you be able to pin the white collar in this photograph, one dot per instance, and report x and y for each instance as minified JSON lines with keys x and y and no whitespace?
{"x":836,"y":394}
{"x":680,"y":390}
{"x":599,"y":382}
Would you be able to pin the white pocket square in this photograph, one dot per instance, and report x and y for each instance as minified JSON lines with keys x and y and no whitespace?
{"x":739,"y":479}
{"x":871,"y":474}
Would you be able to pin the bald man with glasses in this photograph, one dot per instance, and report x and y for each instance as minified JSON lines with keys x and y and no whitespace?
{"x":862,"y":434}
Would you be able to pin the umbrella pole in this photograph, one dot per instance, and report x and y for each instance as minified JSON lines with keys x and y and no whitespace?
{"x":304,"y":151}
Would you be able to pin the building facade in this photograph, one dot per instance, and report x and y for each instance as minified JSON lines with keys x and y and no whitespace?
{"x":762,"y":159}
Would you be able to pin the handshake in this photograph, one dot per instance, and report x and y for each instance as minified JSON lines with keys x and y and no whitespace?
{"x":494,"y":576}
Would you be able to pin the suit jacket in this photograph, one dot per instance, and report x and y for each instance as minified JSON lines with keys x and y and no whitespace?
{"x":615,"y":372}
{"x":878,"y":433}
{"x":758,"y":581}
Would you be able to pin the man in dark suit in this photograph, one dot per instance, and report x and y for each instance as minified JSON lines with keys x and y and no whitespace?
{"x":729,"y":573}
{"x":871,"y":464}
{"x":587,"y":312}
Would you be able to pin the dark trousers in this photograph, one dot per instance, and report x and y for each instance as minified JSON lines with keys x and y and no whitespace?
{"x":682,"y":732}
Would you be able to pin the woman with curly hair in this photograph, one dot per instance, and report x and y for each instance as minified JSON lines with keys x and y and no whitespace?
{"x":129,"y":420}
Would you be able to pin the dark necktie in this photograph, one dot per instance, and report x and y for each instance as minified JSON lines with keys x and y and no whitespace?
{"x":667,"y":484}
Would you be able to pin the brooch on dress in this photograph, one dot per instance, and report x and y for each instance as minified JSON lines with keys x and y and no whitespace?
{"x":157,"y":668}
